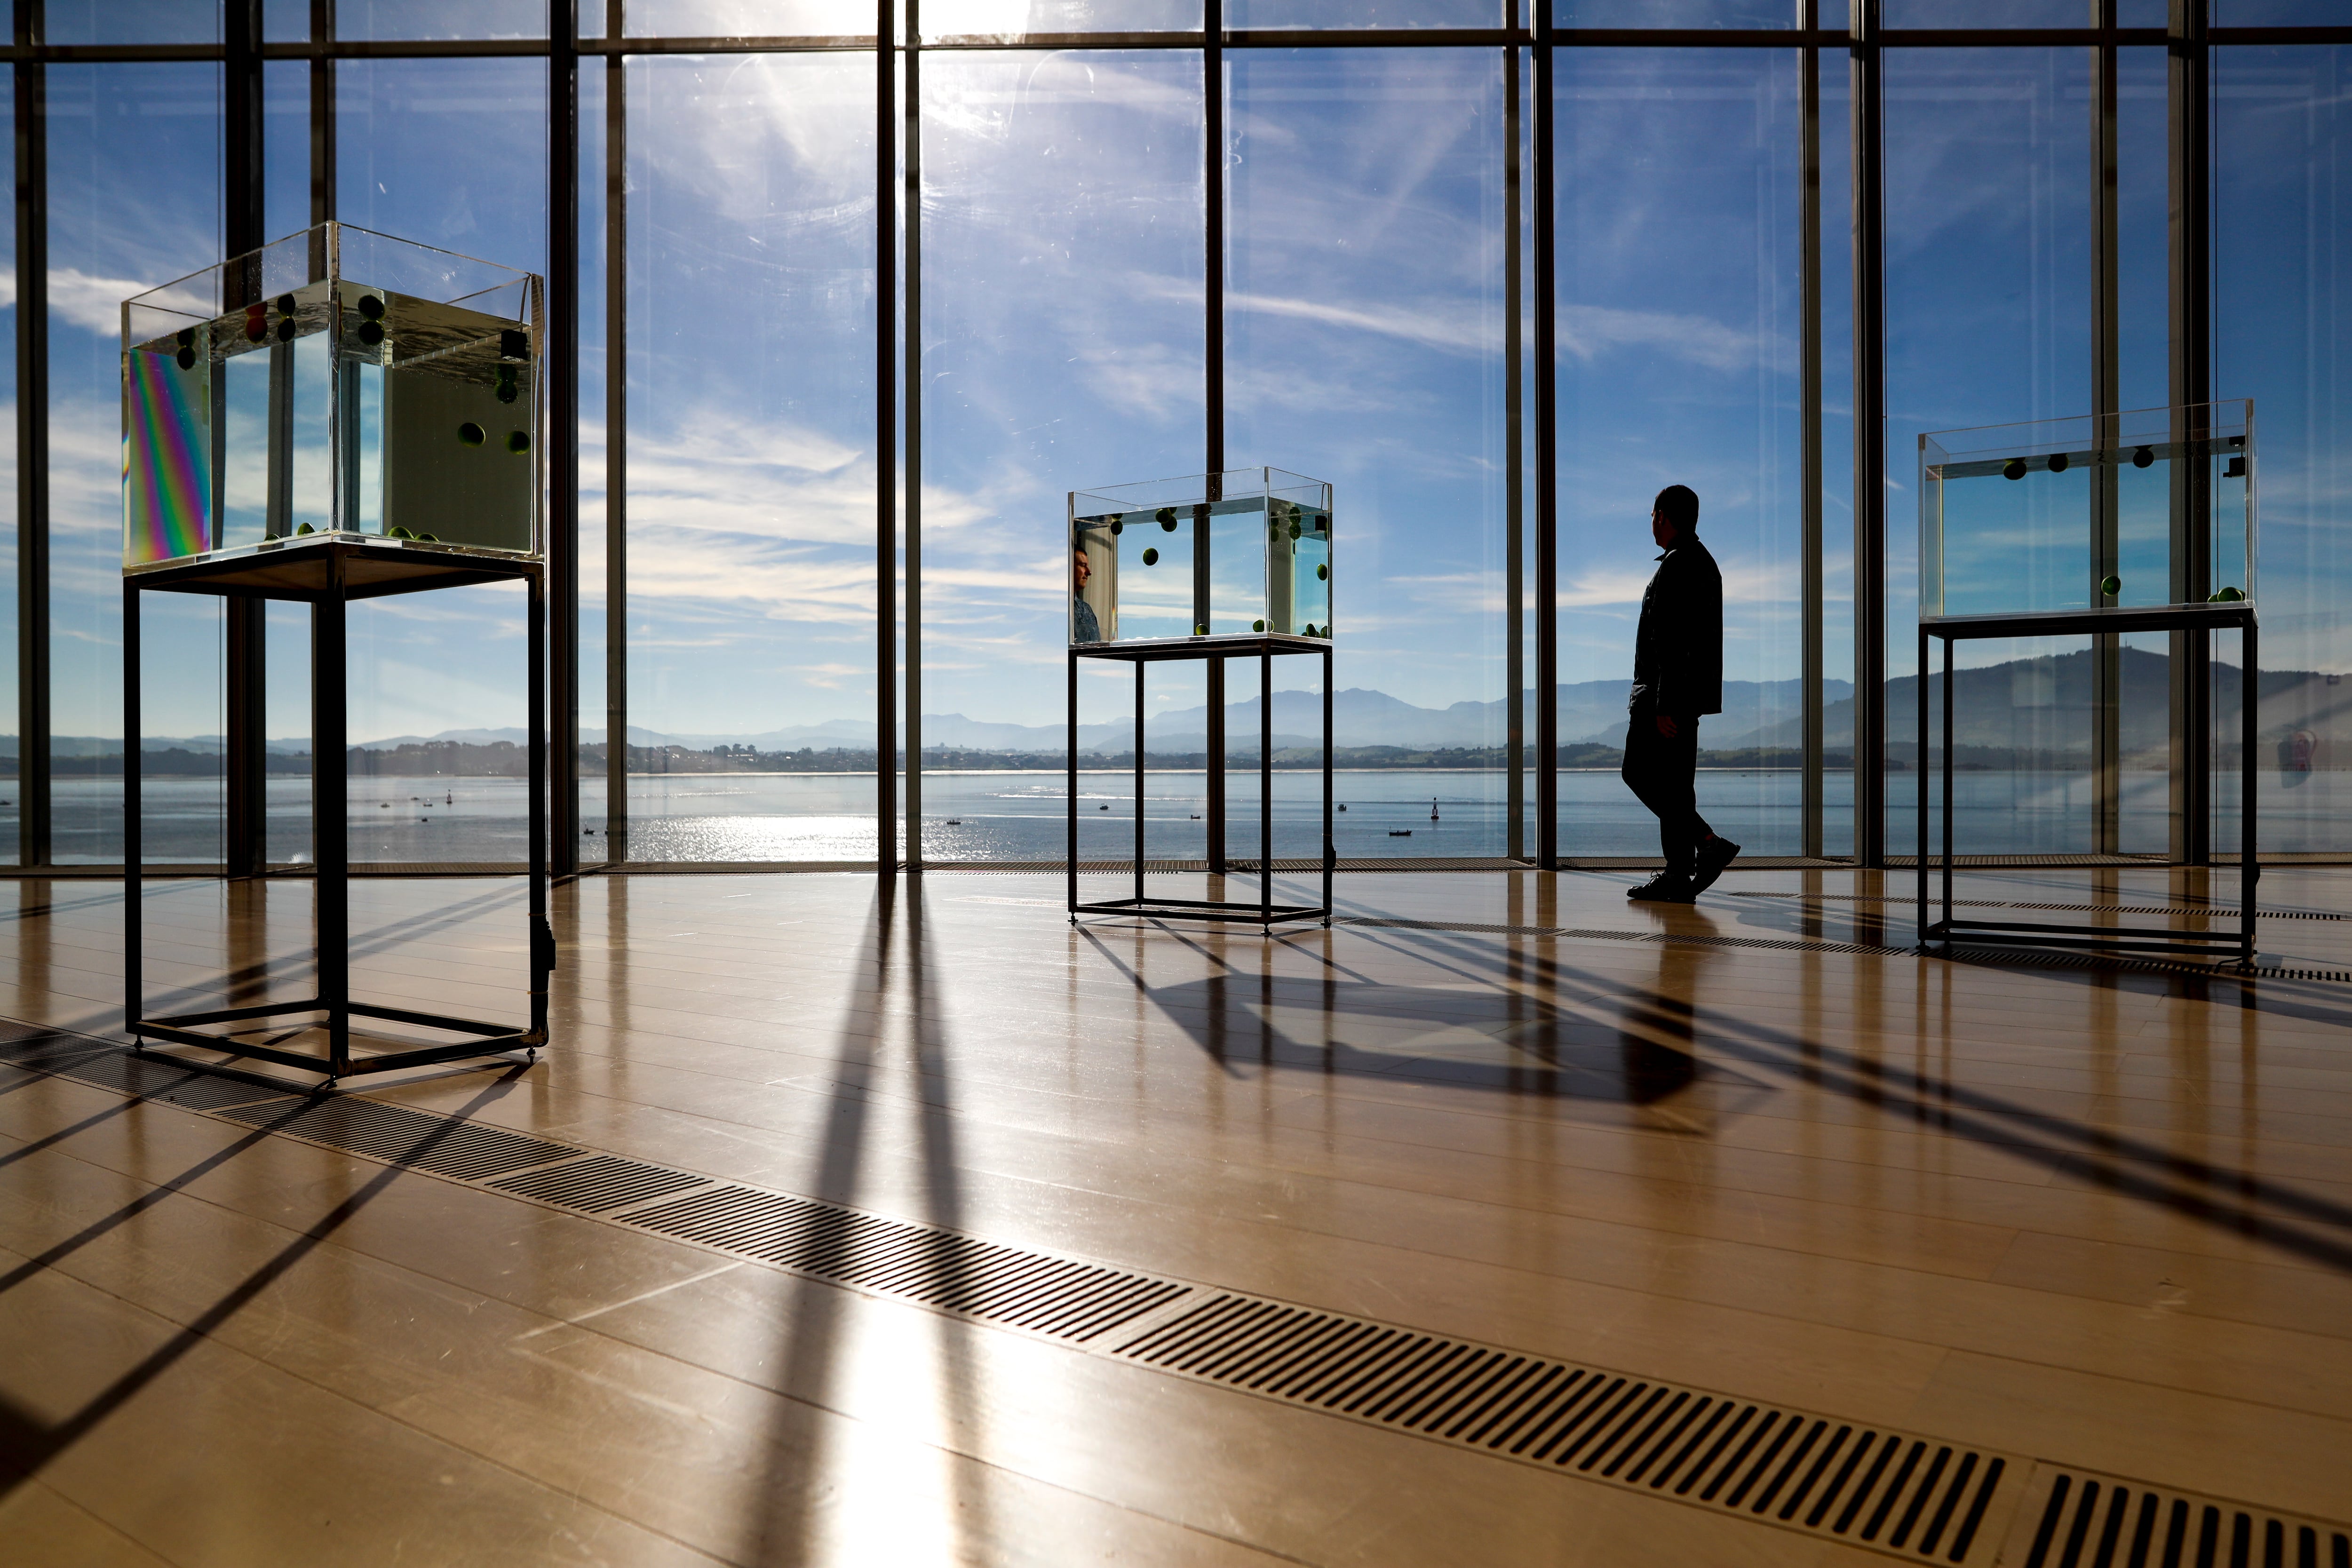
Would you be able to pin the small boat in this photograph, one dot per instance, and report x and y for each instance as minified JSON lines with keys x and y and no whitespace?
{"x":955,"y":822}
{"x":1400,"y":833}
{"x":1343,"y":808}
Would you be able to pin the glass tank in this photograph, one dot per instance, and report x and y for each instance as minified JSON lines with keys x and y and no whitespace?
{"x":2138,"y":511}
{"x":1241,"y":553}
{"x":337,"y":383}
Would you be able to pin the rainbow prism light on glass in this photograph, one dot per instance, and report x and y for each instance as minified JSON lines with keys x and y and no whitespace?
{"x":340,"y":383}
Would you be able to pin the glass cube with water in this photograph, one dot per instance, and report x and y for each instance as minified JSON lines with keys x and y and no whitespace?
{"x":2146,"y":509}
{"x":338,"y":383}
{"x":1243,"y":554}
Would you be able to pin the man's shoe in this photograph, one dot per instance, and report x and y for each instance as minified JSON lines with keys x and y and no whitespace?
{"x":1665,"y":888}
{"x":1713,"y":856}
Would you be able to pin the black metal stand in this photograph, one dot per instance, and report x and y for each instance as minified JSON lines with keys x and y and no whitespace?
{"x":328,"y":574}
{"x":2143,"y":939}
{"x":1264,"y":913}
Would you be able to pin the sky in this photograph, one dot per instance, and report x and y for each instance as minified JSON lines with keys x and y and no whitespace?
{"x":1062,"y":234}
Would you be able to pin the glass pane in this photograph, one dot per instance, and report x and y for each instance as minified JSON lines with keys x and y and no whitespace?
{"x":1837,"y":460}
{"x":749,"y":19}
{"x":1010,"y":18}
{"x":131,"y":22}
{"x":11,"y":735}
{"x":2278,"y":12}
{"x":752,"y":466}
{"x":1982,"y":14}
{"x":452,"y":154}
{"x":2282,"y":315}
{"x":134,"y":200}
{"x":360,"y":20}
{"x":1987,"y":306}
{"x":1365,"y":334}
{"x":596,"y":843}
{"x":286,"y":21}
{"x":1372,"y":13}
{"x":1675,"y":12}
{"x":1063,"y":247}
{"x":1678,"y":332}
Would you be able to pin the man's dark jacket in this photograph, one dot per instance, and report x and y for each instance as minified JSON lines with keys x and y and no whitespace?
{"x":1678,"y":649}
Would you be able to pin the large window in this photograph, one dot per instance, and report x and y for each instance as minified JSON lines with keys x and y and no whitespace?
{"x":848,"y":331}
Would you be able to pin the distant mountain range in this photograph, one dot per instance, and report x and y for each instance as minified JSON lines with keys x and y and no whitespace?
{"x":2040,"y":704}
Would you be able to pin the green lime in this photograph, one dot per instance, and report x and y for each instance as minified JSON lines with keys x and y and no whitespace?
{"x":1323,"y":574}
{"x":470,"y":434}
{"x":2111,"y":585}
{"x":1152,"y":558}
{"x":517,"y":441}
{"x":1257,"y":626}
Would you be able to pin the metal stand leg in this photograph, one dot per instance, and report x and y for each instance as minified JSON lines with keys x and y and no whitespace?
{"x":1947,"y":783}
{"x":1331,"y":851}
{"x":543,"y":935}
{"x":1072,"y":757}
{"x":133,"y":846}
{"x":1138,"y":780}
{"x":331,"y":836}
{"x":1266,"y":788}
{"x":1921,"y":766}
{"x":2250,"y":866}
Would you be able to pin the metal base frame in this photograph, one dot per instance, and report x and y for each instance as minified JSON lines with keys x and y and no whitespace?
{"x":1265,"y":914}
{"x":2161,"y":940}
{"x":323,"y":577}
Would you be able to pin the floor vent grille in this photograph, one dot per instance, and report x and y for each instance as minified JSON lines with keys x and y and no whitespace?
{"x":599,"y":1183}
{"x":2218,"y":912}
{"x":1989,"y":954}
{"x":961,"y":1274}
{"x":2075,"y":1520}
{"x":1669,"y":938}
{"x":1910,"y":1496}
{"x":151,"y":1079}
{"x":395,"y":1133}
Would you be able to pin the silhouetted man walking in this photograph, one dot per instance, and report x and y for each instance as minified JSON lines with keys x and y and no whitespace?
{"x":1677,"y":677}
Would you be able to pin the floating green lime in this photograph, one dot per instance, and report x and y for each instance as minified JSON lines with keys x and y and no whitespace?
{"x":2227,"y":597}
{"x":1199,"y":631}
{"x":1166,"y":516}
{"x":1323,"y":574}
{"x":1294,"y":528}
{"x":470,"y":434}
{"x":1152,"y":558}
{"x":306,"y":528}
{"x":2013,"y":470}
{"x":517,"y":441}
{"x":1257,"y":626}
{"x":2111,"y":585}
{"x":399,"y":533}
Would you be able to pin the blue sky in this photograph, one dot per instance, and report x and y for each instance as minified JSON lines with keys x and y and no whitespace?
{"x":1062,"y":236}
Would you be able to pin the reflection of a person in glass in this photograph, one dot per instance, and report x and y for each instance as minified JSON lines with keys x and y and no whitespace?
{"x":1084,"y":627}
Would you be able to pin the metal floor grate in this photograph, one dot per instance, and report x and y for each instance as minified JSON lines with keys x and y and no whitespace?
{"x":599,"y":1183}
{"x":961,"y":1274}
{"x":1793,"y":944}
{"x":1908,"y":1495}
{"x":444,"y":1145}
{"x":149,"y":1079}
{"x":2227,"y":912}
{"x":2070,"y":1519}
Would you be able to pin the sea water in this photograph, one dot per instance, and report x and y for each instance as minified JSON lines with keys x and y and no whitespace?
{"x":1017,"y":817}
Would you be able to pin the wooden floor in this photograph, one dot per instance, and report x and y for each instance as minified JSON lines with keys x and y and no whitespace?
{"x":2099,"y":1218}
